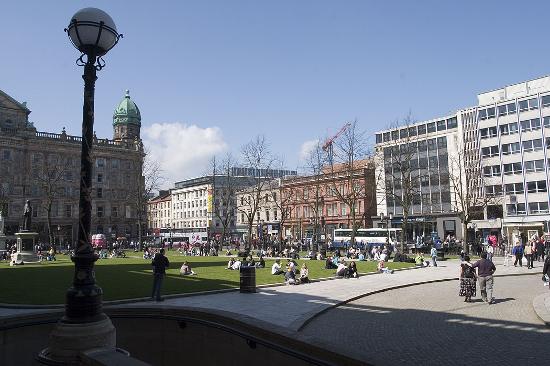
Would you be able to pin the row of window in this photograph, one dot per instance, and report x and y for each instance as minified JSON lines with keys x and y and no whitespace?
{"x":510,"y":108}
{"x":516,"y":188}
{"x":534,"y":208}
{"x":514,"y":148}
{"x":417,"y":130}
{"x":511,"y":128}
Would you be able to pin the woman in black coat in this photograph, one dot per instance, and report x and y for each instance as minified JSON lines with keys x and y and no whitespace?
{"x":546,"y":269}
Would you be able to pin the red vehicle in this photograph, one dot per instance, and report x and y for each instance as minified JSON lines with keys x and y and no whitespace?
{"x":99,"y":241}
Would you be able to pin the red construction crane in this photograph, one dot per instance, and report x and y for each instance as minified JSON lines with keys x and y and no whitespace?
{"x":327,"y":146}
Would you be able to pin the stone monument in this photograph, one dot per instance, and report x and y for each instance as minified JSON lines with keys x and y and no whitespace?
{"x":26,"y":239}
{"x":2,"y":236}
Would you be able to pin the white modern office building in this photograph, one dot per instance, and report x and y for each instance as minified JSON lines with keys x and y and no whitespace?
{"x":506,"y":141}
{"x":426,"y":146}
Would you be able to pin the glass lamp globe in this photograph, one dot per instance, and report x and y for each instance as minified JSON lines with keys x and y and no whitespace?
{"x":92,"y":31}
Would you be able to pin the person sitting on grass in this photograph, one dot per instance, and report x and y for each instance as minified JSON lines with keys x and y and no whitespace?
{"x":261,"y":262}
{"x":383,"y":269}
{"x":291,"y":263}
{"x":228,"y":252}
{"x":329,"y":264}
{"x":51,"y":254}
{"x":250,"y":261}
{"x":230,"y":263}
{"x":304,"y":274}
{"x":342,"y":269}
{"x":290,"y":277}
{"x":236,"y":265}
{"x":186,"y":270}
{"x":352,"y":271}
{"x":420,"y":261}
{"x":276,"y":268}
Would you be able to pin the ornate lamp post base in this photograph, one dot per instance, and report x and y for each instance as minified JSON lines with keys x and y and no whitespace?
{"x":68,"y":341}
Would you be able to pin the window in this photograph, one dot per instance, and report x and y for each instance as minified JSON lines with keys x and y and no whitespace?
{"x":532,"y":145}
{"x":491,"y":171}
{"x":100,"y":162}
{"x":68,"y":211}
{"x":99,"y":211}
{"x":442,"y":142}
{"x":509,"y":128}
{"x":491,"y":151}
{"x":114,"y":211}
{"x":514,"y":188}
{"x":395,"y":135}
{"x":343,"y":207}
{"x":100,"y":178}
{"x":534,"y":166}
{"x":545,"y":101}
{"x":422,"y":129}
{"x":431,"y":127}
{"x":432,"y":144}
{"x":441,"y":125}
{"x":6,"y":155}
{"x":515,"y":209}
{"x":538,"y":207}
{"x":452,"y":123}
{"x":491,"y":112}
{"x":536,"y":186}
{"x":511,"y":108}
{"x":546,"y":121}
{"x":523,"y":105}
{"x":378,"y":138}
{"x":100,"y":193}
{"x":512,"y":148}
{"x":493,"y":191}
{"x":275,"y":214}
{"x":482,"y":114}
{"x":412,"y":131}
{"x":386,"y":136}
{"x":404,"y":133}
{"x":502,"y":110}
{"x":530,"y":124}
{"x":488,"y":132}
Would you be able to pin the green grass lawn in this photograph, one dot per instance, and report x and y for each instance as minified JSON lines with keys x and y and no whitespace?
{"x":124,"y":278}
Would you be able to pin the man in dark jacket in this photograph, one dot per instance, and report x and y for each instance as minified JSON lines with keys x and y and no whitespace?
{"x":546,"y":269}
{"x":485,"y":270}
{"x":159,"y":263}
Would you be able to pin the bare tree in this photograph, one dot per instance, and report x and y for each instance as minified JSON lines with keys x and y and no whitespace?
{"x":257,"y":156}
{"x":224,"y":193}
{"x":399,"y":181}
{"x":282,"y":199}
{"x":148,"y":179}
{"x":350,"y":174}
{"x":50,"y":177}
{"x":472,"y":194}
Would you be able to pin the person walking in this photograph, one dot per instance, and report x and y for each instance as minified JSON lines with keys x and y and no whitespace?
{"x":528,"y":251}
{"x":433,"y":254}
{"x":546,"y":270}
{"x":159,"y":263}
{"x":467,"y":280}
{"x":485,"y":270}
{"x":490,"y":251}
{"x":517,"y":251}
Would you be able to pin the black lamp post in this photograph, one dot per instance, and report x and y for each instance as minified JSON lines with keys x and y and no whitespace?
{"x":85,"y":326}
{"x":387,"y":218}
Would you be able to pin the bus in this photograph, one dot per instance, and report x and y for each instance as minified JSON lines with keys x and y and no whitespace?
{"x":342,"y":237}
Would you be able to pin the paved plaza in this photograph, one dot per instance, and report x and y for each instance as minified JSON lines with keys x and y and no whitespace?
{"x":413,"y":316}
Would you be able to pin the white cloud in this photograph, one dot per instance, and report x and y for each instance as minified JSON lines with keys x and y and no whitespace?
{"x":306,"y":149}
{"x":184,"y":151}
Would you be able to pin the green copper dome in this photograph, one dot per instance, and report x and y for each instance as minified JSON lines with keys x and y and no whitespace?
{"x":127,"y":112}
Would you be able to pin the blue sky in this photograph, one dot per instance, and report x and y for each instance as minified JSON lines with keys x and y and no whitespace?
{"x":210,"y":75}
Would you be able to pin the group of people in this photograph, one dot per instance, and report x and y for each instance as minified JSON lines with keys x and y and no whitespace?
{"x":293,"y":276}
{"x":235,"y":263}
{"x":534,"y":250}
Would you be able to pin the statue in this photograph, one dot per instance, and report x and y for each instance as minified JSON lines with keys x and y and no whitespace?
{"x":27,"y":216}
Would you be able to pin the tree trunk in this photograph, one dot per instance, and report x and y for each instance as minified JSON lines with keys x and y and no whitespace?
{"x":465,"y":238}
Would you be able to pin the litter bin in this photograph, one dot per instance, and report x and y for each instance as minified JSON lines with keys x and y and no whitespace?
{"x":440,"y":254}
{"x":248,"y":279}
